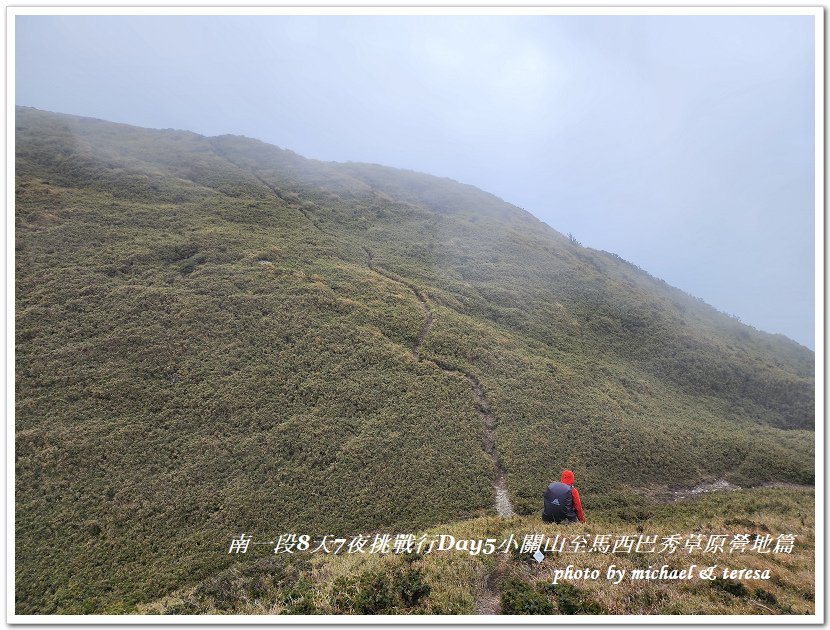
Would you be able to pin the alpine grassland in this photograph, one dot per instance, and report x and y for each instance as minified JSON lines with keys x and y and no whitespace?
{"x":511,"y":582}
{"x":215,"y":336}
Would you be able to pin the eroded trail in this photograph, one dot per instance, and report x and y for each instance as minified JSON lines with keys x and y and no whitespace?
{"x":425,"y":326}
{"x":502,"y":502}
{"x":223,"y":154}
{"x":503,"y":505}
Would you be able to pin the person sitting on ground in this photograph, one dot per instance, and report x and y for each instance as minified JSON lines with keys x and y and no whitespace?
{"x":562,"y":501}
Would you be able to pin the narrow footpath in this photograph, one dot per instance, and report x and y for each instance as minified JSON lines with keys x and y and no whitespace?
{"x":502,"y":502}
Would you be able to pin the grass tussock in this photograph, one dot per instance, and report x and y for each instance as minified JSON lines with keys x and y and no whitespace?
{"x":515,"y":584}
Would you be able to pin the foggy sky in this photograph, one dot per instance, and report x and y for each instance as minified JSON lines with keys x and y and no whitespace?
{"x":683,"y":144}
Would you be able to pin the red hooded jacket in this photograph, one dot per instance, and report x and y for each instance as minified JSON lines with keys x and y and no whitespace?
{"x":568,"y":478}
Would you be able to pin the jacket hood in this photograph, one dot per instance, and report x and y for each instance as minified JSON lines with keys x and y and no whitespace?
{"x":568,"y":477}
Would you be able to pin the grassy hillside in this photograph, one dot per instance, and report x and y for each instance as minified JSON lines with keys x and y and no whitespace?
{"x":511,"y":582}
{"x":215,"y":335}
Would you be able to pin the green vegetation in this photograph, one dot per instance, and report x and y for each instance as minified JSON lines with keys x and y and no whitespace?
{"x":514,"y":584}
{"x":203,"y":350}
{"x":380,"y":592}
{"x":519,"y":598}
{"x":571,"y":600}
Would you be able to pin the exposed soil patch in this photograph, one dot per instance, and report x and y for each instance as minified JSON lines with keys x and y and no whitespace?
{"x":663,"y":494}
{"x":503,"y":505}
{"x":714,"y":486}
{"x":425,"y":326}
{"x":490,"y":601}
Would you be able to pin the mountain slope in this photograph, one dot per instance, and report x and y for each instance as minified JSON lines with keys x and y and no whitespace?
{"x":215,"y":335}
{"x":508,"y":581}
